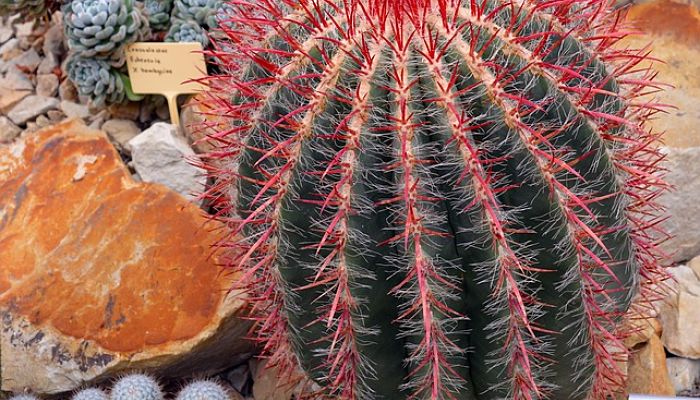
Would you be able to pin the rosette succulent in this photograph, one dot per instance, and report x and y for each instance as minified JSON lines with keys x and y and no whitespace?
{"x":158,"y":13}
{"x":100,"y":28}
{"x":204,"y":12}
{"x":96,"y":79}
{"x":186,"y":31}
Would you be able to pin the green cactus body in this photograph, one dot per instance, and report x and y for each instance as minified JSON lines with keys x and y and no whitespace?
{"x":439,"y":199}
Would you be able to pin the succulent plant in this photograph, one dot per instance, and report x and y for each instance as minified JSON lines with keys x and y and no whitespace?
{"x":28,"y":9}
{"x":136,"y":387}
{"x":101,"y":28}
{"x":439,"y":199}
{"x":186,"y":31}
{"x":201,"y":11}
{"x":158,"y":13}
{"x":90,"y":394}
{"x":96,"y":79}
{"x":203,"y":390}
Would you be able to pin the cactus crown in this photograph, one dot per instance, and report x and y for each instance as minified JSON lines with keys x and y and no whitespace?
{"x":438,"y":199}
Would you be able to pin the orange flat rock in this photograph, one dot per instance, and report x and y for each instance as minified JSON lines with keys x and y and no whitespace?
{"x":101,"y":273}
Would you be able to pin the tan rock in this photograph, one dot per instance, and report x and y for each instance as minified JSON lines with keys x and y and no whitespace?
{"x":673,"y":28}
{"x":641,"y":331}
{"x":100,"y":273}
{"x":268,"y":385}
{"x":10,"y":97}
{"x":679,"y":314}
{"x":647,"y":372}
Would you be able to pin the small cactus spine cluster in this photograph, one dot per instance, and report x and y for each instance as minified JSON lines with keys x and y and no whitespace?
{"x":439,"y":199}
{"x":90,"y":394}
{"x":203,"y":390}
{"x":136,"y":386}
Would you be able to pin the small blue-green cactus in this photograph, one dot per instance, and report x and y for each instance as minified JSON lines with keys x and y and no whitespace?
{"x":203,"y":390}
{"x":136,"y":387}
{"x":186,"y":32}
{"x":90,"y":394}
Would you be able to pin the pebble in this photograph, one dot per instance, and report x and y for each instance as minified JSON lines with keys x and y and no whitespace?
{"x":53,"y":41}
{"x":47,"y":85}
{"x":6,"y":33}
{"x":30,"y":107}
{"x":67,"y":91}
{"x":9,"y":46}
{"x":8,"y":130}
{"x":48,"y":64}
{"x":27,"y":61}
{"x":120,"y":131}
{"x":16,"y":80}
{"x":56,"y":115}
{"x":43,"y":121}
{"x":74,"y":110}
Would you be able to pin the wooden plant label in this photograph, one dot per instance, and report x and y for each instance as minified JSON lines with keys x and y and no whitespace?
{"x":166,"y":69}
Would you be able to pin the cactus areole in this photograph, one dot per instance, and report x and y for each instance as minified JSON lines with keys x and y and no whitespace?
{"x":438,"y":199}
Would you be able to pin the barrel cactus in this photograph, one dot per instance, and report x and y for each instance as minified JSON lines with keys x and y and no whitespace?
{"x":439,"y":199}
{"x":186,"y":31}
{"x":101,"y":28}
{"x":97,"y":80}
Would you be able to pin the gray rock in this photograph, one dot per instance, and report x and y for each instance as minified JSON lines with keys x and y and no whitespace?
{"x":684,"y":373}
{"x":43,"y":121}
{"x":48,"y":64}
{"x":24,"y":29}
{"x":120,"y":131}
{"x":681,"y":203}
{"x":28,"y":61}
{"x":159,"y":155}
{"x":30,"y":107}
{"x":6,"y":33}
{"x":56,"y":115}
{"x":67,"y":91}
{"x":9,"y":46}
{"x":74,"y":110}
{"x":679,"y":315}
{"x":8,"y":130}
{"x":16,"y":80}
{"x":47,"y":85}
{"x":53,"y":41}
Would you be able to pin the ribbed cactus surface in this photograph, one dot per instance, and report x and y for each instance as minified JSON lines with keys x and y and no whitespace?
{"x":439,"y":199}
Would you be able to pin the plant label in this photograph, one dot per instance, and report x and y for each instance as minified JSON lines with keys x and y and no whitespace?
{"x":168,"y":69}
